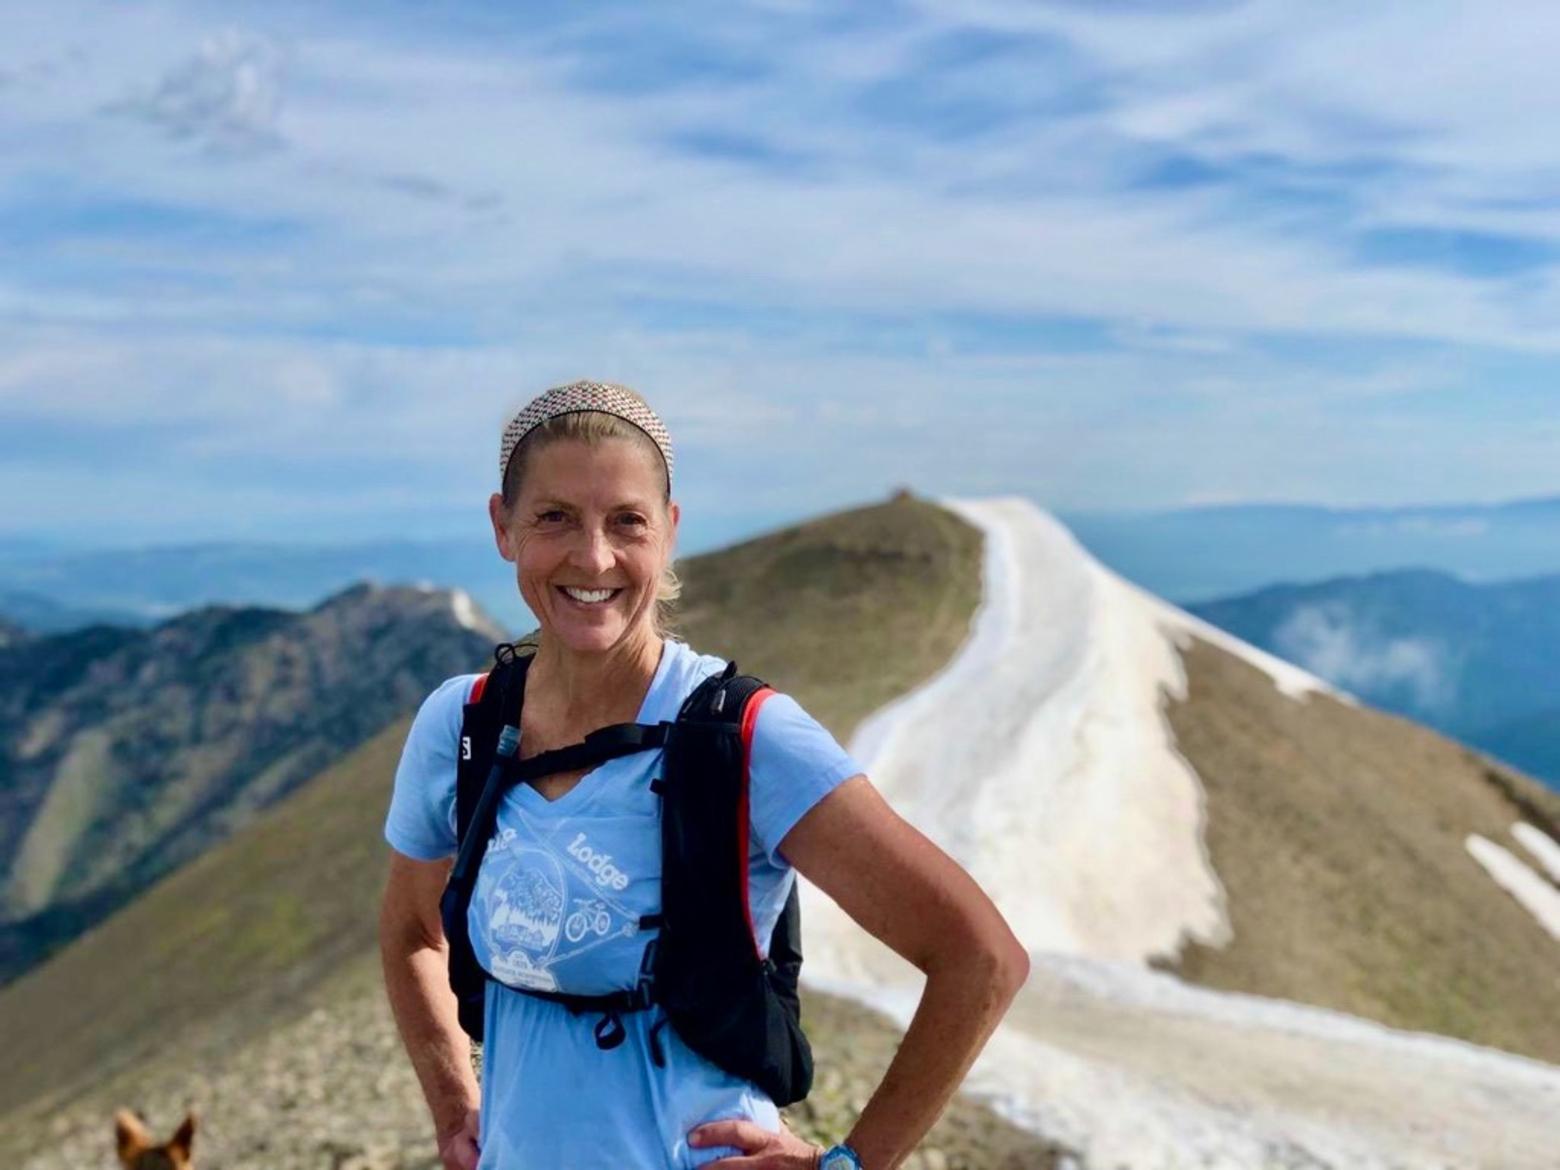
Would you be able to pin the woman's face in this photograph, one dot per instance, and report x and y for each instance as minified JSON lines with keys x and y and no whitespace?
{"x":589,"y":536}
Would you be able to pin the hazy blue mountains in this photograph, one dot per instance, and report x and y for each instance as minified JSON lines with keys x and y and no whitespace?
{"x":1480,"y":662}
{"x":36,"y":613}
{"x":1184,"y":555}
{"x":1205,"y":553}
{"x":52,"y":590}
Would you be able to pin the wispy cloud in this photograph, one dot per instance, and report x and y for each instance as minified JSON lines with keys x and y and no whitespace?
{"x":226,"y":97}
{"x":1328,"y":641}
{"x":1124,"y":255}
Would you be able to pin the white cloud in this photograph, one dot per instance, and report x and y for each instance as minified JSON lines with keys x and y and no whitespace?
{"x":1327,"y":640}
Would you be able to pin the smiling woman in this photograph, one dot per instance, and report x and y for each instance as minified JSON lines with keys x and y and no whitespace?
{"x":578,"y":896}
{"x":629,"y":502}
{"x":587,"y":518}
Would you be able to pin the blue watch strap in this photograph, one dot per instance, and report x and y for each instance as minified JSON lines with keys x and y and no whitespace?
{"x":840,"y":1157}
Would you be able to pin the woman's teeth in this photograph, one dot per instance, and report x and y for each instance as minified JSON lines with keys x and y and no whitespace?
{"x":589,"y":596}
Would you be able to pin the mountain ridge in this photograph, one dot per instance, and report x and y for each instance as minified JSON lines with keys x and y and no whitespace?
{"x":129,"y":751}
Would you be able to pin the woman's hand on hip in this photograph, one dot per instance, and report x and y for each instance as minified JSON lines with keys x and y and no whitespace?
{"x":762,"y":1149}
{"x":458,"y":1149}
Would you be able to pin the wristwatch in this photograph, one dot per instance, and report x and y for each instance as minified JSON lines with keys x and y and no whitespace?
{"x":840,"y":1157}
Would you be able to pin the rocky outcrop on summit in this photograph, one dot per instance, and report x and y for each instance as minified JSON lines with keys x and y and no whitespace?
{"x":127,"y":752}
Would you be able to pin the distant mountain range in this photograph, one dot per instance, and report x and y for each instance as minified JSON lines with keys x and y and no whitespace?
{"x":1199,"y":554}
{"x":1185,"y":554}
{"x":53,"y":590}
{"x":35,"y":613}
{"x":1478,"y":662}
{"x":126,"y":752}
{"x":1473,"y":659}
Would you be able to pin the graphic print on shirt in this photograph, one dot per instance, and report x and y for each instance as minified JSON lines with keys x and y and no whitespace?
{"x":550,"y":892}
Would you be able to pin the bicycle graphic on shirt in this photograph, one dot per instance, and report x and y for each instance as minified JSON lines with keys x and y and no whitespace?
{"x":590,"y":915}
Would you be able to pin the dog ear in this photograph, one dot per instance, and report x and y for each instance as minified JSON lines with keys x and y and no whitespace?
{"x":130,"y":1136}
{"x":181,"y":1140}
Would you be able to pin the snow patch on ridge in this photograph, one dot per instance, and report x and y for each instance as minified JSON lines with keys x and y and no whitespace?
{"x":1540,"y":845}
{"x":1537,"y":896}
{"x":465,"y":609}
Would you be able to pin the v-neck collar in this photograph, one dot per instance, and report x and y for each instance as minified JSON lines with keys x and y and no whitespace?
{"x":527,"y":793}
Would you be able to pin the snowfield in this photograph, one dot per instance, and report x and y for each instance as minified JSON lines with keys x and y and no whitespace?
{"x":1041,"y":760}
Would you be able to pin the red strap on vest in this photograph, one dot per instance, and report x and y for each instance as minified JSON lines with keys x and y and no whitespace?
{"x":477,"y":687}
{"x":749,"y":721}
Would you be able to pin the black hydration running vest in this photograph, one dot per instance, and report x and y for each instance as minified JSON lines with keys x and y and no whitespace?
{"x":739,"y":1011}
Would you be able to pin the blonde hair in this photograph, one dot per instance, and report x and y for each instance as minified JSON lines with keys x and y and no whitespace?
{"x":594,"y":427}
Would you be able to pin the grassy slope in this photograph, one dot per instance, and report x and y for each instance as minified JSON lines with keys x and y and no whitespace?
{"x":844,"y":613}
{"x":1339,"y":833}
{"x":235,"y":933}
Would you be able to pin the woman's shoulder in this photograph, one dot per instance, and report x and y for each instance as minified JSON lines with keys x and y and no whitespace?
{"x":691,"y":662}
{"x":455,"y":690}
{"x":685,"y":668}
{"x":440,"y":712}
{"x":681,"y":669}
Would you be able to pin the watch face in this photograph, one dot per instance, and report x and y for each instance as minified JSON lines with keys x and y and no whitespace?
{"x":838,"y":1159}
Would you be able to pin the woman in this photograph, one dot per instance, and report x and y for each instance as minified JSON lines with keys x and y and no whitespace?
{"x":586,"y":516}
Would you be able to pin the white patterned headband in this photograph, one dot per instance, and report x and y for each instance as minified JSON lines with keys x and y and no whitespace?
{"x":607,"y":397}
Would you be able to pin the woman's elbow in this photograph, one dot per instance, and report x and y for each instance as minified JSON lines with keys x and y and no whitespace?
{"x":1003,"y":963}
{"x":992,"y":957}
{"x":1012,"y":965}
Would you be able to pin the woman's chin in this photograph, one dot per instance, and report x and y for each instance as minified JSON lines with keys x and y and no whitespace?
{"x":589,"y":640}
{"x":587,"y":635}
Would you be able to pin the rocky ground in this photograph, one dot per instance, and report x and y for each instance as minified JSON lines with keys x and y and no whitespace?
{"x":333,"y":1090}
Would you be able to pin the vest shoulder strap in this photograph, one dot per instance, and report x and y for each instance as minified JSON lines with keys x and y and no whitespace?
{"x":494,"y":696}
{"x":723,"y":697}
{"x":705,"y":815}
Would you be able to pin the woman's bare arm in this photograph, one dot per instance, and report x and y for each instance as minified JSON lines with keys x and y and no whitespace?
{"x":899,"y":886}
{"x":415,"y":958}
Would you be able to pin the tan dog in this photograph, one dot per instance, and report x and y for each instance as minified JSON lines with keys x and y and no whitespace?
{"x":138,"y":1152}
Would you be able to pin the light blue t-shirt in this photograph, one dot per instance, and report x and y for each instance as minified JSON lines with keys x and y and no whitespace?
{"x":557,"y":906}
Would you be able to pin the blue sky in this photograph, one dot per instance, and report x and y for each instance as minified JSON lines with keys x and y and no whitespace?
{"x":282,"y":271}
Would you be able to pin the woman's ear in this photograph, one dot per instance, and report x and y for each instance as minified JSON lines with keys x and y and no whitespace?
{"x":496,"y":514}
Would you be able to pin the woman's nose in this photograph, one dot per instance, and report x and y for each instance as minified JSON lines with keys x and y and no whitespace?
{"x":594,"y":552}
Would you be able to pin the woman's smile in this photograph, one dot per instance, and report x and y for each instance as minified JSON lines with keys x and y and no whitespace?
{"x":589,"y":598}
